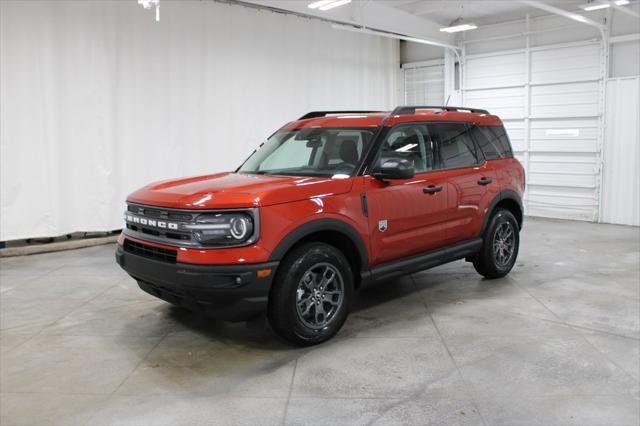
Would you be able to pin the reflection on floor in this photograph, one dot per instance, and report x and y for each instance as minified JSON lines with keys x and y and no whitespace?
{"x":555,"y":342}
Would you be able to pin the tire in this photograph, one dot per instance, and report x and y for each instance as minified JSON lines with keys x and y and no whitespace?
{"x":301,"y":309}
{"x":499,"y":250}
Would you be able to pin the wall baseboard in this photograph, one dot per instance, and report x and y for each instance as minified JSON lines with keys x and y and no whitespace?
{"x":59,"y":246}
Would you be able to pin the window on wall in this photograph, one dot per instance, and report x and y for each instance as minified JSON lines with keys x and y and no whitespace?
{"x":455,"y":145}
{"x":424,"y":85}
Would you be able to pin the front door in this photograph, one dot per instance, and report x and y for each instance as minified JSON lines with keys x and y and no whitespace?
{"x":407,"y":217}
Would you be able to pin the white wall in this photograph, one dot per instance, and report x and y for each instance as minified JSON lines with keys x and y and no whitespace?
{"x":624,"y":59}
{"x":621,"y":180}
{"x":98,"y":99}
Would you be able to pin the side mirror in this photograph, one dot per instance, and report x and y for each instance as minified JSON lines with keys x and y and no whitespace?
{"x":394,"y":169}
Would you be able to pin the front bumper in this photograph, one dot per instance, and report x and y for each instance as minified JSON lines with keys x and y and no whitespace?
{"x":229,"y":292}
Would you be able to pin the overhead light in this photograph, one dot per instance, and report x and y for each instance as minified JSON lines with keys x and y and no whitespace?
{"x":595,"y":6}
{"x":458,"y":28}
{"x":148,"y":4}
{"x":317,"y":4}
{"x":334,"y":4}
{"x":327,"y":4}
{"x":622,"y":2}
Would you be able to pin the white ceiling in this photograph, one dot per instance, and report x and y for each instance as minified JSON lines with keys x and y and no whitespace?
{"x":480,"y":12}
{"x":424,"y":18}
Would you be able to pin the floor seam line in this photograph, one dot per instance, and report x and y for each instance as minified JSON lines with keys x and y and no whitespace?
{"x":577,"y":332}
{"x":112,"y":393}
{"x":286,"y":405}
{"x":571,"y":325}
{"x":446,"y":347}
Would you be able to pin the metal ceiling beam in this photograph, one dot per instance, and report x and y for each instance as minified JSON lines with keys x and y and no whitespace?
{"x":570,"y":15}
{"x":405,"y":37}
{"x":624,"y":9}
{"x":372,"y":14}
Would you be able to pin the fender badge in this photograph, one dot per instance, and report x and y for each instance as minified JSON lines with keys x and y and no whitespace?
{"x":382,"y":225}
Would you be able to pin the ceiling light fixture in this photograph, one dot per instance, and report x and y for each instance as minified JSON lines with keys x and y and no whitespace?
{"x":595,"y":6}
{"x":458,"y":28}
{"x":327,"y":4}
{"x":148,"y":4}
{"x":317,"y":4}
{"x":622,"y":2}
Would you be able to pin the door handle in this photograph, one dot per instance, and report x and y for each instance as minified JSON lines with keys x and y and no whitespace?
{"x":485,"y":181}
{"x":432,"y":189}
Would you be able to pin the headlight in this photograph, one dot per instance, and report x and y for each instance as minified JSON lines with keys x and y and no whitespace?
{"x":223,"y":228}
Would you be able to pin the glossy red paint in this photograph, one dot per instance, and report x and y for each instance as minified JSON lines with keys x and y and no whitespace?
{"x":376,"y":119}
{"x":236,"y":190}
{"x":416,"y":221}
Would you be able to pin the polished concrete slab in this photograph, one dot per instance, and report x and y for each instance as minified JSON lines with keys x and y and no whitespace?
{"x":557,"y":342}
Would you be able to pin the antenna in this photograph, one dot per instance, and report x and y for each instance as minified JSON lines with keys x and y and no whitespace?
{"x":447,"y":102}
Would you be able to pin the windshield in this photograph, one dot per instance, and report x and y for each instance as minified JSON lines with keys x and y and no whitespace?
{"x":310,"y":152}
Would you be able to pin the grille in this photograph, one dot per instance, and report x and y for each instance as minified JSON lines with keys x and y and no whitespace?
{"x":159,"y":213}
{"x":151,"y":252}
{"x":160,"y":235}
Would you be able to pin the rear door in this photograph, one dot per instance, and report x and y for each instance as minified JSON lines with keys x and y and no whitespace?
{"x":407,"y":217}
{"x":471,"y":183}
{"x":496,"y":148}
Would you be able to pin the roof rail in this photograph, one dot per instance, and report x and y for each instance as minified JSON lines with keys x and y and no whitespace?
{"x":316,"y":114}
{"x":407,"y":110}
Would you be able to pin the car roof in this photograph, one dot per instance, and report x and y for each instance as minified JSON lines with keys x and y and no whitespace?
{"x":399,"y":115}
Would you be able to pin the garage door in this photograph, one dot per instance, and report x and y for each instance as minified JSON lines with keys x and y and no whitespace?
{"x":550,"y":101}
{"x":424,"y":83}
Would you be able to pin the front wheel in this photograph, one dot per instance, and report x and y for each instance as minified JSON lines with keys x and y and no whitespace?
{"x":500,"y":246}
{"x":309,"y":300}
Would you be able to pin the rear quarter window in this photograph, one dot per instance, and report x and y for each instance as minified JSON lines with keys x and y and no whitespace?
{"x":493,"y":142}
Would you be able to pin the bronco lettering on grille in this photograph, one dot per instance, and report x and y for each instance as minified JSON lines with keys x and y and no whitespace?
{"x":151,"y":222}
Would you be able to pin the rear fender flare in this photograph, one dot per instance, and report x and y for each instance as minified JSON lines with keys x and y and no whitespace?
{"x":506,"y":194}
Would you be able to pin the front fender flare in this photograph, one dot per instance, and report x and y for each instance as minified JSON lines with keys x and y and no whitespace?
{"x":319,"y":225}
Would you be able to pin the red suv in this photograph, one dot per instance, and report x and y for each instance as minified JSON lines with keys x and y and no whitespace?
{"x":329,"y":203}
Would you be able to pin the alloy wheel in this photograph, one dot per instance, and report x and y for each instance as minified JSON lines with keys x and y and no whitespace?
{"x":504,"y":244}
{"x":319,"y":295}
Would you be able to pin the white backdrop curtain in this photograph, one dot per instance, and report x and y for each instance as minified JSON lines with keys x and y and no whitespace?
{"x":98,"y":99}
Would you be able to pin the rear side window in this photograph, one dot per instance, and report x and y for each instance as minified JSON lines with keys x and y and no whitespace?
{"x":455,"y":145}
{"x":493,"y":142}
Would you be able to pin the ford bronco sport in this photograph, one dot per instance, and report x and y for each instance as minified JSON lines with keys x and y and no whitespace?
{"x":329,"y":203}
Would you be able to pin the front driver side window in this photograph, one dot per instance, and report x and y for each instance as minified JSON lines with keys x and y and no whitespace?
{"x":410,"y":142}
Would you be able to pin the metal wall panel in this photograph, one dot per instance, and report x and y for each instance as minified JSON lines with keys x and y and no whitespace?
{"x":483,"y":72}
{"x":566,"y":64}
{"x":621,"y":180}
{"x":552,"y":110}
{"x":565,"y":100}
{"x":505,"y":102}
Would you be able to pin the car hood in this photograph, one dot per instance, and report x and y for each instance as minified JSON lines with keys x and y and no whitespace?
{"x":231,"y":190}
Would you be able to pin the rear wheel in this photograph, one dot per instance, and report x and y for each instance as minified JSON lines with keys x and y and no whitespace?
{"x":500,"y":246}
{"x":309,"y":300}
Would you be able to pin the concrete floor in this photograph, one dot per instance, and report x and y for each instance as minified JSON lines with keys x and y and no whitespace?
{"x":555,"y":342}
